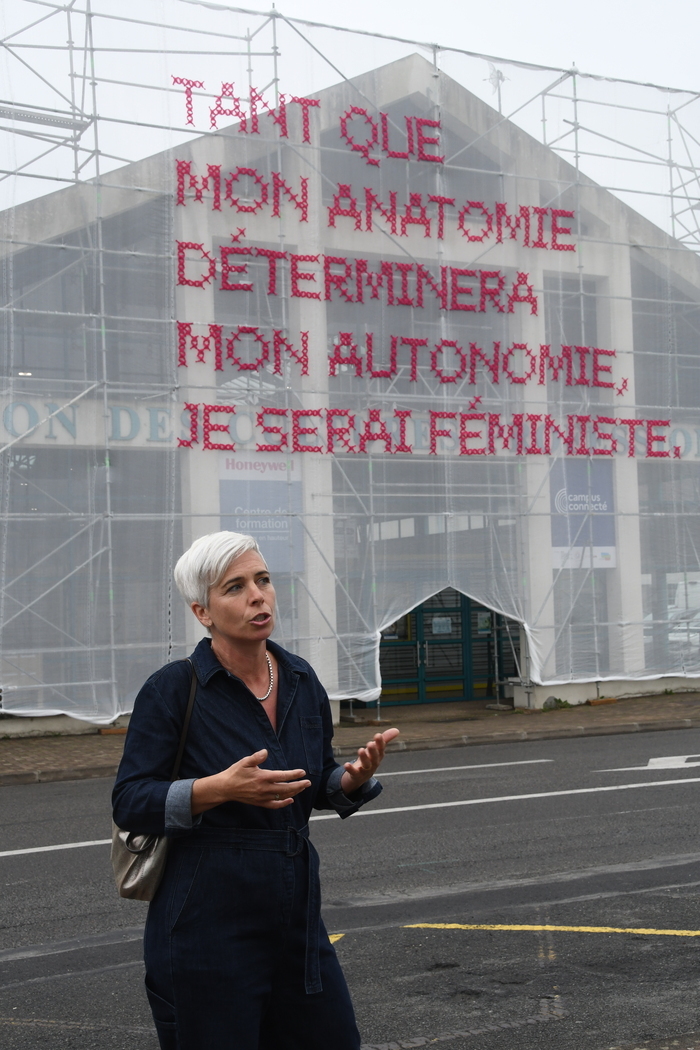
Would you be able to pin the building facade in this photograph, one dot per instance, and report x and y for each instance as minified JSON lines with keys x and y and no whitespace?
{"x":410,"y":348}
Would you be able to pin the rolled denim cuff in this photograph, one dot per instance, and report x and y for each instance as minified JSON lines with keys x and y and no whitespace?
{"x":178,"y":808}
{"x":340,"y":802}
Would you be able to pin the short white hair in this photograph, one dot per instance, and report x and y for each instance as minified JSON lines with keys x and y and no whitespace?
{"x":206,"y":561}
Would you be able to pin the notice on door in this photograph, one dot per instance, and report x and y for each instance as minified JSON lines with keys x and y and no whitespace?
{"x":442,"y":625}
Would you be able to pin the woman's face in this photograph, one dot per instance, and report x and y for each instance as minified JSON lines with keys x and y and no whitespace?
{"x":241,"y":606}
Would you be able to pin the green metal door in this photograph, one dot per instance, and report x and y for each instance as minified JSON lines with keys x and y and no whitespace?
{"x":448,"y":648}
{"x":444,"y":632}
{"x":425,"y":656}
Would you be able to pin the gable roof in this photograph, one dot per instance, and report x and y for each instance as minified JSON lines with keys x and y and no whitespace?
{"x":536,"y":173}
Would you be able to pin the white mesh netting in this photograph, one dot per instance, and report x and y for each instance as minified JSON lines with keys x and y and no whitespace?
{"x":434,"y":325}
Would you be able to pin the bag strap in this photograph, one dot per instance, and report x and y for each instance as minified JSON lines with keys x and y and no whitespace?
{"x":186,"y":723}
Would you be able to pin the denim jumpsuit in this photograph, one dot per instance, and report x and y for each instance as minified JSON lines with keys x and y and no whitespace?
{"x":237,"y":956}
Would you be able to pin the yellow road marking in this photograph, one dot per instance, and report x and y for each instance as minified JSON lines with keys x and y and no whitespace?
{"x":554,"y":929}
{"x":335,"y":937}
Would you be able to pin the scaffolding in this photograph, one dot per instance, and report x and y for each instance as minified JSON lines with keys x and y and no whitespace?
{"x":109,"y":335}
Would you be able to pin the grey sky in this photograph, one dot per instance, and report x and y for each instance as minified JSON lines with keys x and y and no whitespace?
{"x":142,"y":112}
{"x":647,"y":40}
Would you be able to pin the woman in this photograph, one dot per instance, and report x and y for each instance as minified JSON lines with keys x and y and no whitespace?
{"x":237,"y":957}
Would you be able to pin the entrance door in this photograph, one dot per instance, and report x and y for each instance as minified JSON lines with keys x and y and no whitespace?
{"x":449,"y":648}
{"x":425,"y":656}
{"x":444,"y":671}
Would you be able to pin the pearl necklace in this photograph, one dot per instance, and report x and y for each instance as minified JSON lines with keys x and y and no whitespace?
{"x":272,"y":679}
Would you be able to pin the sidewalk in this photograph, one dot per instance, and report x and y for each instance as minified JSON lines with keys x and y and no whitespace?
{"x":33,"y":760}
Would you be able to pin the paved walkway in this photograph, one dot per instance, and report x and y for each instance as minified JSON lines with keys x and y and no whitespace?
{"x":31,"y":760}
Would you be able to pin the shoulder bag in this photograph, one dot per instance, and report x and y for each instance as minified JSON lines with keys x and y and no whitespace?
{"x":138,"y":861}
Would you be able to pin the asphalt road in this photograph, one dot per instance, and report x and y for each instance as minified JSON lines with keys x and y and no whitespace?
{"x":564,"y":833}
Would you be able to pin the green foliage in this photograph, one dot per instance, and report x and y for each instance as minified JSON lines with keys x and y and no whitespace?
{"x":553,"y":703}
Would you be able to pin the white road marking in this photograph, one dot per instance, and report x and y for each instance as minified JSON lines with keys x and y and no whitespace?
{"x":409,"y":809}
{"x":49,"y":849}
{"x":448,"y":769}
{"x":550,"y":879}
{"x":511,"y":798}
{"x":76,"y":944}
{"x":670,"y":762}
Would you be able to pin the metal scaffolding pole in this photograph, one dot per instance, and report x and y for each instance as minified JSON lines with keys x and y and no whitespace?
{"x":74,"y":53}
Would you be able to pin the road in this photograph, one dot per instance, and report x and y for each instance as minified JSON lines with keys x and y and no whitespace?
{"x":587,"y":834}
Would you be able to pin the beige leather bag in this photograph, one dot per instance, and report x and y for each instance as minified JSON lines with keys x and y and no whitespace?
{"x":138,"y":861}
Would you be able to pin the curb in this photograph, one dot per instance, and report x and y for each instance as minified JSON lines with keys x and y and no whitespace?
{"x":45,"y":776}
{"x":514,"y":735}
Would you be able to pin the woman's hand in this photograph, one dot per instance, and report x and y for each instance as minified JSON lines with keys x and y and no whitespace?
{"x":245,"y":781}
{"x":367,"y":762}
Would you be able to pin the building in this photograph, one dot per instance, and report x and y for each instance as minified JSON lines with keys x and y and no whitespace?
{"x":448,"y":381}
